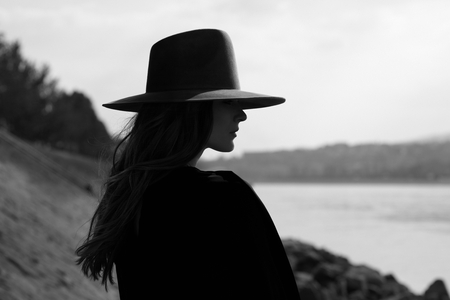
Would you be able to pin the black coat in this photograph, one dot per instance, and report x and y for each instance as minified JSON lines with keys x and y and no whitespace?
{"x":204,"y":235}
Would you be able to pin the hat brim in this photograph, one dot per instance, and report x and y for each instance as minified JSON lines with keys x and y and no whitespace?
{"x":247,"y":100}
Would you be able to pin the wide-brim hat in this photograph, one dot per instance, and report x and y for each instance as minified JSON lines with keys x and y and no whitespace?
{"x":197,"y":65}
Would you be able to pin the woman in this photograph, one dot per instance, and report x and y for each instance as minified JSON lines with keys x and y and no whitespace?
{"x":170,"y":229}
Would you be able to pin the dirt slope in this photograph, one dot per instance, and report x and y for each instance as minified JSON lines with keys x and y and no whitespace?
{"x":43,"y":217}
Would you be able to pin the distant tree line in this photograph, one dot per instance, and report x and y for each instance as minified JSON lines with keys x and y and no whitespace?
{"x":421,"y":161}
{"x":32,"y":107}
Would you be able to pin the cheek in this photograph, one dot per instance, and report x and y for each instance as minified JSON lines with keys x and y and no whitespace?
{"x":220,"y":120}
{"x":220,"y":139}
{"x":218,"y":134}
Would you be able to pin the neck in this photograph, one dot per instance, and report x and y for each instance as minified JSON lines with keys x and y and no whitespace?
{"x":194,"y":161}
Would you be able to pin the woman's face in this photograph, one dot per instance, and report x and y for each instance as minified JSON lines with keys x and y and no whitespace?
{"x":227,"y":114}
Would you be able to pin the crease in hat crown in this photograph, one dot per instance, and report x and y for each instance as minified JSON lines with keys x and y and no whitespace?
{"x":196,"y":65}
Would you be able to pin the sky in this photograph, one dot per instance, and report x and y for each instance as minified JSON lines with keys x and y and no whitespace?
{"x":352,"y":71}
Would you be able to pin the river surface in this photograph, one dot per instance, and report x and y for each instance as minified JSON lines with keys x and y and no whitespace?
{"x":399,"y":229}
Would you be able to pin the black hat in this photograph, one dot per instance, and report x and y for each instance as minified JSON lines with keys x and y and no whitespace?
{"x":197,"y":65}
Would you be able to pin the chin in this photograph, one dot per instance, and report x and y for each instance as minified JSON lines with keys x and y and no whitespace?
{"x":224,"y":149}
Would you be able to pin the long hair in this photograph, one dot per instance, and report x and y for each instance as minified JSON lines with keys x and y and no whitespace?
{"x":160,"y":137}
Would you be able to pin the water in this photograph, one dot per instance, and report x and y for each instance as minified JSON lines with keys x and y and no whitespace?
{"x":402,"y":230}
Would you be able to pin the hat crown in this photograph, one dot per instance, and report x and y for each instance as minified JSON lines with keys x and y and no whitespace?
{"x":195,"y":60}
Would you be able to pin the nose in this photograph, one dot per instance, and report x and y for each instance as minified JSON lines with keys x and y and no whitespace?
{"x":241,"y":116}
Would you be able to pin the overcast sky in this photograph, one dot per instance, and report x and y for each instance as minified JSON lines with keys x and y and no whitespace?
{"x":352,"y":71}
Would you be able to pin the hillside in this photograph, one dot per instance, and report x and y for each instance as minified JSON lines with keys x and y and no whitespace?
{"x":42,"y":219}
{"x":46,"y":199}
{"x":424,"y":161}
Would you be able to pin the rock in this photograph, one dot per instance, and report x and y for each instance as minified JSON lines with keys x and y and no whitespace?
{"x":308,"y":288}
{"x":326,"y":273}
{"x":392,"y":288}
{"x":437,"y":291}
{"x":358,"y":295}
{"x":303,"y":278}
{"x":365,"y":279}
{"x":303,"y":257}
{"x":322,"y":275}
{"x":354,"y":282}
